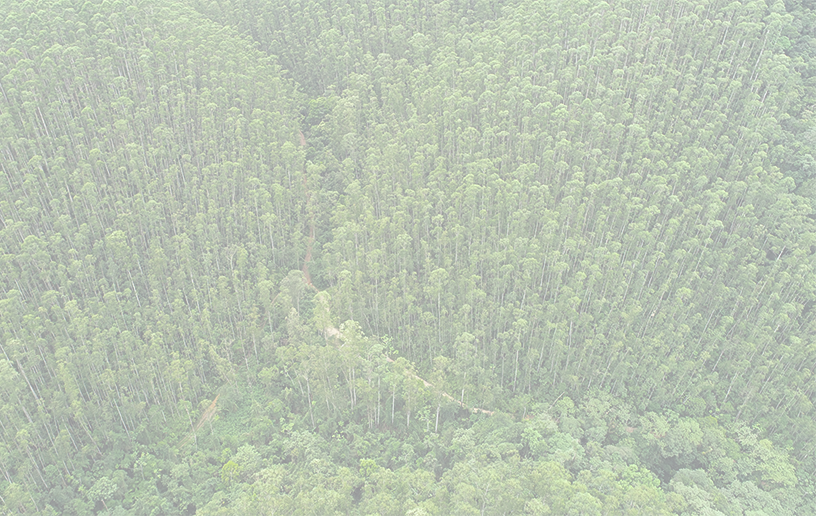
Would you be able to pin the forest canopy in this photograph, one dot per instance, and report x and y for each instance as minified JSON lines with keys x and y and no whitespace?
{"x":391,"y":257}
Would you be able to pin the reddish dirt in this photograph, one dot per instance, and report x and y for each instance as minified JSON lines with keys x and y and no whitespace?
{"x":427,"y":384}
{"x":208,"y":414}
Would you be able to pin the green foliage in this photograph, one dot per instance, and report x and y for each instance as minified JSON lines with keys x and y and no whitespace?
{"x":248,"y":459}
{"x":368,"y":468}
{"x":407,"y":258}
{"x":102,"y":490}
{"x":230,"y":472}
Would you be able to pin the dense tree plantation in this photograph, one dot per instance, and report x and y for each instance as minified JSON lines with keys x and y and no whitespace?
{"x":408,"y":257}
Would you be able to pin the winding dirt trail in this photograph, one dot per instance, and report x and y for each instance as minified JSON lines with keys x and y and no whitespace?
{"x":206,"y":416}
{"x":427,"y":384}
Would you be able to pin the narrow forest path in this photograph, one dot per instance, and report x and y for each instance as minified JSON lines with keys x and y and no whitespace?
{"x":429,"y":385}
{"x":206,"y":416}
